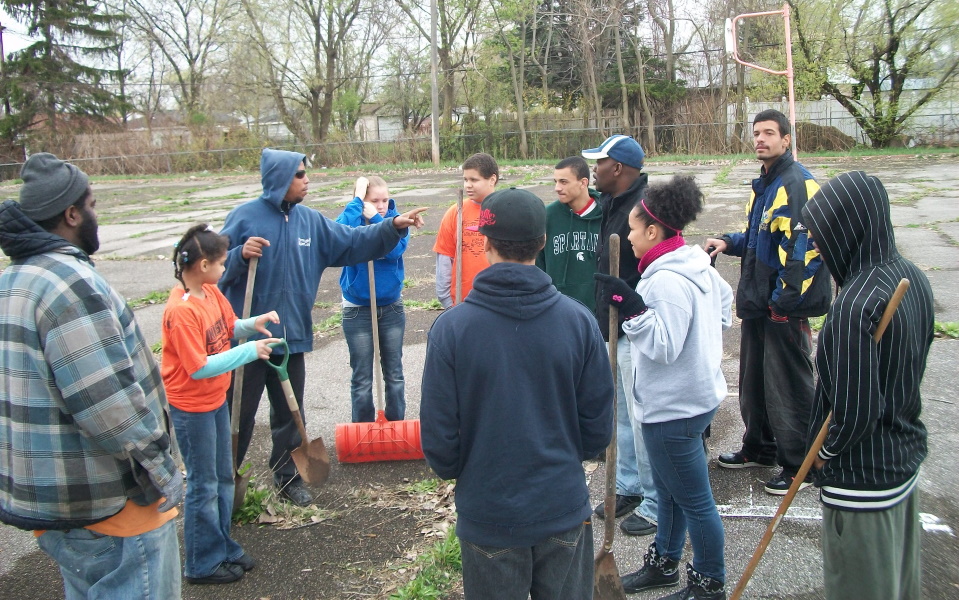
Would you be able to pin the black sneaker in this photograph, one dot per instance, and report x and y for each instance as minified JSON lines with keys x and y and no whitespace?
{"x":738,"y":460}
{"x":223,"y":574}
{"x":657,"y":571}
{"x":699,"y":587}
{"x":637,"y":525}
{"x":779,"y":485}
{"x":624,"y":504}
{"x":245,"y":562}
{"x":297,"y":493}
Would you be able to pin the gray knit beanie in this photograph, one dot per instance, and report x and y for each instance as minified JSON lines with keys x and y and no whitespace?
{"x":50,"y":186}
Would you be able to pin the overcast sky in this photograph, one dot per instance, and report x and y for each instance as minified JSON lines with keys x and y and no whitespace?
{"x":14,"y":37}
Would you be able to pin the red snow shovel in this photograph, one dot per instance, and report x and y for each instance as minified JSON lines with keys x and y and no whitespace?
{"x":382,"y":439}
{"x":811,"y":456}
{"x":311,"y":458}
{"x":607,"y":584}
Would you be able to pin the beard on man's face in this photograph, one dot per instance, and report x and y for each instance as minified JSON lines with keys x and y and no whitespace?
{"x":89,"y":240}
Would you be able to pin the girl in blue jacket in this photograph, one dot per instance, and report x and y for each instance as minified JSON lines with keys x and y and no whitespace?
{"x":371,"y":204}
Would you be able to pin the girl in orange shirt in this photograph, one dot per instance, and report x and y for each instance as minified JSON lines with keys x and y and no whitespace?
{"x":198,"y":323}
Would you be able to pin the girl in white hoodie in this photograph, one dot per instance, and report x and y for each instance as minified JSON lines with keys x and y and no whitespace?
{"x":674,"y":322}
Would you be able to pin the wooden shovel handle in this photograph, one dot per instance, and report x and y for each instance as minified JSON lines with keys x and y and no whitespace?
{"x":609,"y":504}
{"x":811,"y":455}
{"x":459,"y":247}
{"x":294,"y":409}
{"x":238,"y":373}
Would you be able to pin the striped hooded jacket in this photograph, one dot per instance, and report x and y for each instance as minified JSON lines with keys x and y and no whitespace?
{"x":876,"y":441}
{"x":780,"y":268}
{"x":83,"y":424}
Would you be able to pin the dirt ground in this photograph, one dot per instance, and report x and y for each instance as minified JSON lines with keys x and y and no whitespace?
{"x":376,"y":518}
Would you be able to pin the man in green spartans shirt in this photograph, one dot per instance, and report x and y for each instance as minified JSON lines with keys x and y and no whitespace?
{"x":572,"y":232}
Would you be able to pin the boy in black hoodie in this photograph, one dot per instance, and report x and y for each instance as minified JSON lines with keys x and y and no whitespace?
{"x":517,"y":392}
{"x":869,"y":464}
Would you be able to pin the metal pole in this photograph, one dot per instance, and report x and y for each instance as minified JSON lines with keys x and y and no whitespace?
{"x":789,"y":78}
{"x":434,"y":86}
{"x":6,"y":98}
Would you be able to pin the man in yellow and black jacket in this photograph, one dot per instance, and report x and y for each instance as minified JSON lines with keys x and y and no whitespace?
{"x":783,"y":282}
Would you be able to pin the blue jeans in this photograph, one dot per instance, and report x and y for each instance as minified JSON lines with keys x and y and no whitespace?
{"x":358,"y":329}
{"x":93,"y":565}
{"x":204,"y":439}
{"x":558,"y":568}
{"x":634,"y":476}
{"x":685,"y":498}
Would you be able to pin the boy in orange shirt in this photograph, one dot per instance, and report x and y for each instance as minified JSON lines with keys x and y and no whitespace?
{"x":480,"y":175}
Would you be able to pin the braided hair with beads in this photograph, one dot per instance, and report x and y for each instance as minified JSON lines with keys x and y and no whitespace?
{"x":199,"y":242}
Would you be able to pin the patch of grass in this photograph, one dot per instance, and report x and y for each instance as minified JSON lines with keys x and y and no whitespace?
{"x":439,"y":568}
{"x":722,"y":177}
{"x":816,"y":323}
{"x":256,"y":497}
{"x":143,"y":233}
{"x":322,"y":304}
{"x":425,"y":486}
{"x":151,"y":298}
{"x":433,"y":304}
{"x":408,"y":283}
{"x":948,"y":329}
{"x":830,"y":173}
{"x":329,"y":324}
{"x":156,"y":348}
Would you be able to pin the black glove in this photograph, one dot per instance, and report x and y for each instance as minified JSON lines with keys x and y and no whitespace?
{"x":618,"y":293}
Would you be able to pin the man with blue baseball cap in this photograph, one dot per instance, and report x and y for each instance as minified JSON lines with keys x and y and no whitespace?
{"x":622,"y":184}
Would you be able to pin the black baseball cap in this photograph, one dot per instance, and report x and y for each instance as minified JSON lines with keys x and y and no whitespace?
{"x":512,"y":215}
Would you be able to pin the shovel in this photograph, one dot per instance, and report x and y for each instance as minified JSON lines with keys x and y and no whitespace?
{"x":811,"y":455}
{"x":381,"y":440}
{"x":241,"y":480}
{"x":607,"y":584}
{"x":311,"y":458}
{"x":459,"y":247}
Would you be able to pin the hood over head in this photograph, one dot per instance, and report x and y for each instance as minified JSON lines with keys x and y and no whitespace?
{"x":691,"y":262}
{"x":514,"y":290}
{"x":277,"y":168}
{"x":850,"y":222}
{"x":21,"y":237}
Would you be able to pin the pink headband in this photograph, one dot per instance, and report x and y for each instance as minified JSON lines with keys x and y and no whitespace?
{"x":657,"y":219}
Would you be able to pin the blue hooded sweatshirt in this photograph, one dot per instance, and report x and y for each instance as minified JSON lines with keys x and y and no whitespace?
{"x":388,"y":271}
{"x":302,"y":244}
{"x":517,"y":391}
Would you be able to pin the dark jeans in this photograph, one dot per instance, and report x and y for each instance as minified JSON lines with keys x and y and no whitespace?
{"x":685,"y":498}
{"x":204,"y":439}
{"x":358,"y":330}
{"x":558,"y":568}
{"x":776,"y":389}
{"x":286,"y":438}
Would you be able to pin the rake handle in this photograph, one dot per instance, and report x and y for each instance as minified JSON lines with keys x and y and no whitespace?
{"x":609,"y":503}
{"x":811,"y":455}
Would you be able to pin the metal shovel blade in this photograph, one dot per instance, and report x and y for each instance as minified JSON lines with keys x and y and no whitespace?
{"x":312,"y":461}
{"x":607,"y":584}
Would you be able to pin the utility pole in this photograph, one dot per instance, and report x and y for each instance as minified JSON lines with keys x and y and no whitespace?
{"x":434,"y":87}
{"x":6,"y":97}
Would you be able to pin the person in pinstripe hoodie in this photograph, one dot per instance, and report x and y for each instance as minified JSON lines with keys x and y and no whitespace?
{"x":868,"y":467}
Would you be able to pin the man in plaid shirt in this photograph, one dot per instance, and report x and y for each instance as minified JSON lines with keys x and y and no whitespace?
{"x":86,"y":452}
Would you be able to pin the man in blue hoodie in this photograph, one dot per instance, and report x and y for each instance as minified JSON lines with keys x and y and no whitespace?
{"x":511,"y":406}
{"x":294,"y":245}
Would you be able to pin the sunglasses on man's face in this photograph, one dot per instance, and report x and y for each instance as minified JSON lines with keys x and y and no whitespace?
{"x":300,"y":174}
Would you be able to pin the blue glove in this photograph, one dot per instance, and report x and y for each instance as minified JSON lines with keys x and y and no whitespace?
{"x":172,"y":491}
{"x":618,"y":293}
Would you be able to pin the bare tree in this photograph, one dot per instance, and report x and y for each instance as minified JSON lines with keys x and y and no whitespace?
{"x":189,"y":35}
{"x":456,"y":30}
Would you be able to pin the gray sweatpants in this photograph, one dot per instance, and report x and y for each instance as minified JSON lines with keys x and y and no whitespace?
{"x":872,"y":554}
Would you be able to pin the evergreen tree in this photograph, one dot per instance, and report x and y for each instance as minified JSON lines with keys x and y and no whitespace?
{"x":56,"y":76}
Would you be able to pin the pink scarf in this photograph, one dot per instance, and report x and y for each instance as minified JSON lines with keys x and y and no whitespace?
{"x":664,"y":247}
